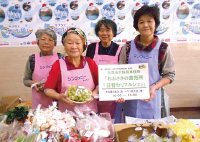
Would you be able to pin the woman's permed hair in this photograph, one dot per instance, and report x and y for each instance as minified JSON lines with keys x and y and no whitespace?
{"x":147,"y":10}
{"x":108,"y":24}
{"x":47,"y":31}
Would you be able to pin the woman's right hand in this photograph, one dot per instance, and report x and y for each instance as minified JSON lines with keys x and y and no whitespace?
{"x":39,"y":87}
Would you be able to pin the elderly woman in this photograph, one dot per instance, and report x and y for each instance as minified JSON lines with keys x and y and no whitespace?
{"x":160,"y":60}
{"x":65,"y":71}
{"x":103,"y":53}
{"x":39,"y":65}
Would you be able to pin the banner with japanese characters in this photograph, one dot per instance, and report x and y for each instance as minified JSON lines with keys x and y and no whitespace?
{"x":128,"y":81}
{"x":20,"y":19}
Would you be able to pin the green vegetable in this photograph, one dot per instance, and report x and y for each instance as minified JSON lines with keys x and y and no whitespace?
{"x":18,"y":112}
{"x":20,"y":138}
{"x":30,"y":138}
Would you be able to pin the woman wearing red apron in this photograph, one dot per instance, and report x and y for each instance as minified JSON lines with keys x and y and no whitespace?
{"x":39,"y":65}
{"x":73,"y":69}
{"x":105,"y":52}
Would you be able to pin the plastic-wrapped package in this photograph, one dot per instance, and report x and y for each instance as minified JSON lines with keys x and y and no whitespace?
{"x":144,"y":134}
{"x":82,"y":111}
{"x":39,"y":85}
{"x":153,"y":137}
{"x":4,"y":135}
{"x":66,"y":139}
{"x":31,"y":138}
{"x":183,"y":128}
{"x":74,"y":137}
{"x":16,"y":130}
{"x":133,"y":138}
{"x":1,"y":116}
{"x":170,"y":133}
{"x":91,"y":126}
{"x":8,"y":133}
{"x":178,"y":139}
{"x":20,"y":138}
{"x":12,"y":132}
{"x":52,"y":120}
{"x":87,"y":126}
{"x":53,"y":137}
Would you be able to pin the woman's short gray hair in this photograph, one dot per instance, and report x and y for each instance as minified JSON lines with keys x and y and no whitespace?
{"x":47,"y":31}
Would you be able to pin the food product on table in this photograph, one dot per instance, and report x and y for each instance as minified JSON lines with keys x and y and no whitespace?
{"x":86,"y":139}
{"x":20,"y":138}
{"x":184,"y":128}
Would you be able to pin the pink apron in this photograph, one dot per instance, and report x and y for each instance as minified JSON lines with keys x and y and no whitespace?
{"x":81,"y":77}
{"x":106,"y":106}
{"x":42,"y":67}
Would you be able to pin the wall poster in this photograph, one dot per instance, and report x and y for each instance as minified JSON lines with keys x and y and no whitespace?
{"x":19,"y":19}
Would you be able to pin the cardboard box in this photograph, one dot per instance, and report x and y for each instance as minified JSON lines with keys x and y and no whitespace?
{"x":2,"y":108}
{"x":9,"y":103}
{"x":123,"y":131}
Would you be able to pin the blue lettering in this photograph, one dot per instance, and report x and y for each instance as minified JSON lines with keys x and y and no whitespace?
{"x":45,"y":67}
{"x":142,"y":56}
{"x":78,"y":78}
{"x":104,"y":61}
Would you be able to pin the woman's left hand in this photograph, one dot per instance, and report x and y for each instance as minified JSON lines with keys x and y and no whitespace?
{"x":92,"y":99}
{"x":120,"y":100}
{"x":152,"y":91}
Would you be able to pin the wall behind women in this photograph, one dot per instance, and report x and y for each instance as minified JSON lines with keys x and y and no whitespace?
{"x":12,"y":66}
{"x":184,"y":92}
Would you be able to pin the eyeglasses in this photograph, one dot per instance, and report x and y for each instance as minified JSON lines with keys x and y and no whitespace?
{"x":46,"y":40}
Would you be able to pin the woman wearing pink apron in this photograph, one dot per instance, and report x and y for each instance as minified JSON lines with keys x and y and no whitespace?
{"x":74,"y":69}
{"x":87,"y":81}
{"x":38,"y":66}
{"x":105,"y":52}
{"x":42,"y":67}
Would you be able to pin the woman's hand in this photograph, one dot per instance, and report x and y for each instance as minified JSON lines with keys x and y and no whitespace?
{"x":63,"y":97}
{"x":94,"y":93}
{"x":89,"y":101}
{"x":120,"y":100}
{"x":39,"y":87}
{"x":152,"y":90}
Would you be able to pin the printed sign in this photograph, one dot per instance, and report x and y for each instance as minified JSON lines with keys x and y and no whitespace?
{"x":128,"y":81}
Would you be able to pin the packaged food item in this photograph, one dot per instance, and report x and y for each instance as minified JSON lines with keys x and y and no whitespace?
{"x":133,"y":138}
{"x":184,"y":128}
{"x":153,"y":137}
{"x":78,"y":94}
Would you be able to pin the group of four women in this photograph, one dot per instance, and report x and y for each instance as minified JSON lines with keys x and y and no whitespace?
{"x":61,"y":71}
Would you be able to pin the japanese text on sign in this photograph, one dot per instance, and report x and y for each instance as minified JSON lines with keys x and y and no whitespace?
{"x":130,"y":81}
